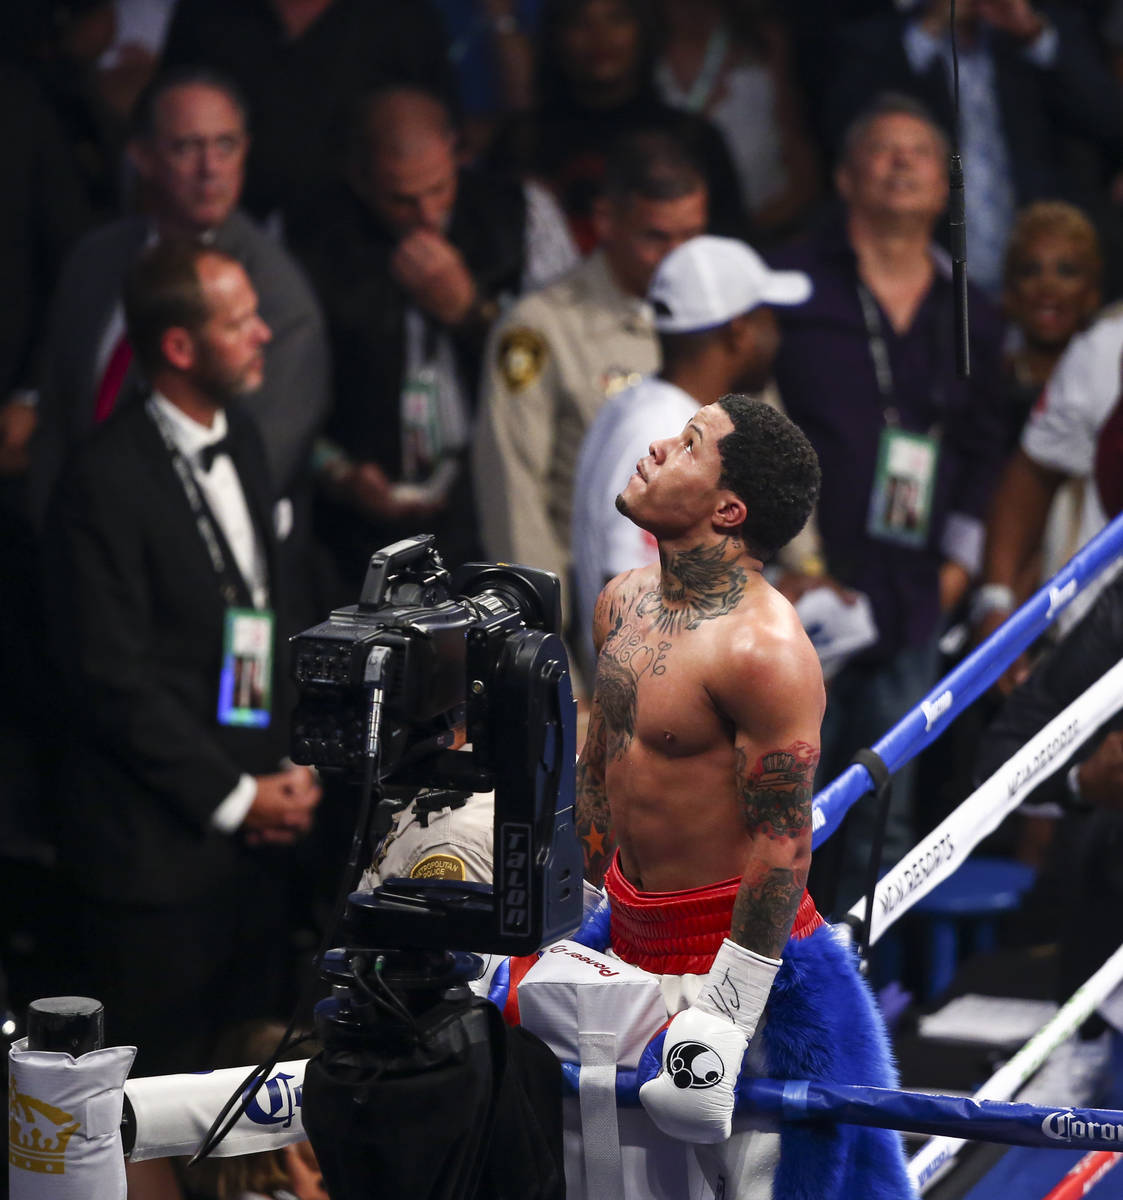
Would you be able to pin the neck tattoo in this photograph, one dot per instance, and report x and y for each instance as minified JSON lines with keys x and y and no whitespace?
{"x":697,"y":585}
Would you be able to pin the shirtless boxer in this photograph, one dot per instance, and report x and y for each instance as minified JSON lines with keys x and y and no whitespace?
{"x":694,"y":787}
{"x":704,"y":729}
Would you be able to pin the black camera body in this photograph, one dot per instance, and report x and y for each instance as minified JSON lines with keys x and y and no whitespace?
{"x":390,"y":685}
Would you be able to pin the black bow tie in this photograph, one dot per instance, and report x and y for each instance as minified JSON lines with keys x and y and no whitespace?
{"x":209,"y":453}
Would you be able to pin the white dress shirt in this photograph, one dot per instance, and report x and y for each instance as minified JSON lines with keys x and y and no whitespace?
{"x":222,"y":490}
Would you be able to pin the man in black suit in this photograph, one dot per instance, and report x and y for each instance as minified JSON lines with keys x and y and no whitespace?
{"x":164,"y":603}
{"x":412,"y":261}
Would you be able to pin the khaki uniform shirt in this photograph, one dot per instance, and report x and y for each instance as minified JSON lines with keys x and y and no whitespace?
{"x":551,"y":363}
{"x":455,"y":843}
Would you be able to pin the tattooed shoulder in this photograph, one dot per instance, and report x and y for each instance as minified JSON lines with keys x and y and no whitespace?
{"x":615,"y":604}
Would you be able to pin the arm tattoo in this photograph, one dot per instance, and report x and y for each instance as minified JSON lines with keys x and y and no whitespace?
{"x":765,"y":909}
{"x":776,"y":805}
{"x":616,"y":691}
{"x":776,"y":792}
{"x":593,"y":819}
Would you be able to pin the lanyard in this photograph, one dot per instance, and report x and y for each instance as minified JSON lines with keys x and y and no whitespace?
{"x":228,"y":578}
{"x":879,"y":352}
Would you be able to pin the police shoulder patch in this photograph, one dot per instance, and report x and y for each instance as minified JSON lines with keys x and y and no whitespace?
{"x":521,"y":356}
{"x":438,"y":866}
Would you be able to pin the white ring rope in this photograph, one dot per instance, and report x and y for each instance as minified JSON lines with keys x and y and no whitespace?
{"x":174,"y":1112}
{"x":1008,"y":1078}
{"x":936,"y":857}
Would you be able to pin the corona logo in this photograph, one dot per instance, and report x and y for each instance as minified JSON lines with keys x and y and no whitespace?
{"x":37,"y":1134}
{"x":281,"y":1102}
{"x":1066,"y":1126}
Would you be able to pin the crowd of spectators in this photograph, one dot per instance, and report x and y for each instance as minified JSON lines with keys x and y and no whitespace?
{"x":450,"y":212}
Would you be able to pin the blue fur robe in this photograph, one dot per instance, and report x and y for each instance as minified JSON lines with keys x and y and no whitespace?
{"x":823,"y":1025}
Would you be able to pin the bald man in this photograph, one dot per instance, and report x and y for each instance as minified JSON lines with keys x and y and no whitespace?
{"x":412,"y":262}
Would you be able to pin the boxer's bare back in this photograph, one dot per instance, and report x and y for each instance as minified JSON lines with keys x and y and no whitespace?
{"x":704,"y":726}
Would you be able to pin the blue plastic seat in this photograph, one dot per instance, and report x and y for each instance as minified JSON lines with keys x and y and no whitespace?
{"x":969,"y":903}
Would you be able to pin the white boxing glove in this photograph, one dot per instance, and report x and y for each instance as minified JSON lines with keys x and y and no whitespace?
{"x":693,"y":1096}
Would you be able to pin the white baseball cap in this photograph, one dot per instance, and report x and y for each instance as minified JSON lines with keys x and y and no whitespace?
{"x":708,"y":281}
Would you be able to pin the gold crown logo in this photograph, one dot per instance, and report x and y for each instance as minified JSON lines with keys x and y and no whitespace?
{"x":37,"y":1134}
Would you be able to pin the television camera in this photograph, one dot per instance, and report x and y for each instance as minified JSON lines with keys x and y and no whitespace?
{"x":388,"y":689}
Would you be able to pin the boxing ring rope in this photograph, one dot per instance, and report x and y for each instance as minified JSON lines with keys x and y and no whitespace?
{"x":1085,"y":1175}
{"x":910,"y":1112}
{"x":173,"y":1112}
{"x":934,"y":1155}
{"x":940,"y":853}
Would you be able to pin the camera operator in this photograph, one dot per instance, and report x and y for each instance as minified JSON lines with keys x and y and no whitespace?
{"x":167,"y":609}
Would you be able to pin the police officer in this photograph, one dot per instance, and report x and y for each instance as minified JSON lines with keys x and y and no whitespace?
{"x":561,"y":352}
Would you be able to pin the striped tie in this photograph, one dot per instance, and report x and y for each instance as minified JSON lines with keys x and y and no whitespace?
{"x":115,"y":371}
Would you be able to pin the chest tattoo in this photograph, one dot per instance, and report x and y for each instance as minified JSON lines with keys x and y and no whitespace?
{"x":698,"y":585}
{"x":627,"y":656}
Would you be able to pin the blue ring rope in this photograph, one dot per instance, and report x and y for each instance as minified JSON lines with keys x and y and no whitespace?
{"x":1057,"y":1128}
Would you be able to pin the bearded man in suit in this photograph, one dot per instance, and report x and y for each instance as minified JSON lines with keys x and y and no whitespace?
{"x":166,"y":604}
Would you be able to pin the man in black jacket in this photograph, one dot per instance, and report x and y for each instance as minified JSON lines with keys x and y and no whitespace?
{"x":166,"y":608}
{"x":412,"y":261}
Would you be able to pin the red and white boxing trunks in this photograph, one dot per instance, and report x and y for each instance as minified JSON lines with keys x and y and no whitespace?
{"x":678,"y":933}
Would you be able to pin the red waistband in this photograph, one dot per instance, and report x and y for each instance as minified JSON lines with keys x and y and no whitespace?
{"x":677,"y":933}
